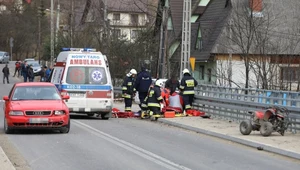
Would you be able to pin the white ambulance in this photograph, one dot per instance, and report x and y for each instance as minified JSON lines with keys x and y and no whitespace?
{"x":84,"y":75}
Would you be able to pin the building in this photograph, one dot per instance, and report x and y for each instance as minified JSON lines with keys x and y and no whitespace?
{"x":238,"y":40}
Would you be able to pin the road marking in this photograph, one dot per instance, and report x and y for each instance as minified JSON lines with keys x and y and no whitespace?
{"x":132,"y":148}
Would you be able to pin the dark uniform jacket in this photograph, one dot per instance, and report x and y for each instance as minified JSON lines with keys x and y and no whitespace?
{"x":143,"y":81}
{"x":187,"y":84}
{"x":128,"y":89}
{"x":5,"y":71}
{"x":172,"y":85}
{"x":154,"y":97}
{"x":30,"y":73}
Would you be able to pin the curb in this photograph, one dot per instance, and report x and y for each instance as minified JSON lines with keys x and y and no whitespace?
{"x":234,"y":139}
{"x":5,"y":162}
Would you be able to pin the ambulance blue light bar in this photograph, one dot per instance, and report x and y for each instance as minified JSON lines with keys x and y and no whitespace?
{"x":79,"y":49}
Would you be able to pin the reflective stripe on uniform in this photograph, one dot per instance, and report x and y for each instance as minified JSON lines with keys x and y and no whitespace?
{"x":181,"y":87}
{"x":153,"y":105}
{"x":143,"y":105}
{"x":159,"y":98}
{"x":189,"y":92}
{"x":188,"y":106}
{"x":124,"y":88}
{"x":127,"y":108}
{"x":126,"y":96}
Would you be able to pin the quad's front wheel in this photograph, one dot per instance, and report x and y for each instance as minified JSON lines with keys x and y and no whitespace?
{"x":246,"y":127}
{"x":266,"y":128}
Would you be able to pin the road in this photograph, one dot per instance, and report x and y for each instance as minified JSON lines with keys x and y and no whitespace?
{"x":129,"y":144}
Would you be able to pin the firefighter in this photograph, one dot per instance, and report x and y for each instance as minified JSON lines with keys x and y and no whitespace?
{"x":128,"y":90}
{"x":187,"y":85}
{"x":154,"y":99}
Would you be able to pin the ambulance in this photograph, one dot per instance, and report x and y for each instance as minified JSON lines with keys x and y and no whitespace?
{"x":84,"y":75}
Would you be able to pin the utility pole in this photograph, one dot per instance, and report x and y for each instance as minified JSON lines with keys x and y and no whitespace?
{"x":57,"y":23}
{"x":52,"y":33}
{"x":161,"y":66}
{"x":41,"y":13}
{"x":105,"y":27}
{"x":72,"y":22}
{"x":186,"y":36}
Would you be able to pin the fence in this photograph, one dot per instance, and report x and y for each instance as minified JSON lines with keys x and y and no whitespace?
{"x":234,"y":103}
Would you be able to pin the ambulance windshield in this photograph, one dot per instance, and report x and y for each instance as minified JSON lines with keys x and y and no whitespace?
{"x":86,"y":75}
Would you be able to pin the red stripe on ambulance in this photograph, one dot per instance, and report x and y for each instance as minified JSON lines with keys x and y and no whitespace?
{"x":98,"y":94}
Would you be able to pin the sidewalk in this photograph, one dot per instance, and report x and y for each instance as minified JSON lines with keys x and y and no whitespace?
{"x":287,"y":145}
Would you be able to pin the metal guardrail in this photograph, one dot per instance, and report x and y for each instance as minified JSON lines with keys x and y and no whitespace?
{"x":234,"y":103}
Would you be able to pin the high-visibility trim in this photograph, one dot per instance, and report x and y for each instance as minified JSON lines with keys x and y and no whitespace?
{"x":188,"y":106}
{"x":153,"y":105}
{"x":143,"y":105}
{"x":124,"y":88}
{"x":189,"y":92}
{"x":126,"y":96}
{"x":159,"y":98}
{"x":181,"y":87}
{"x":127,"y":108}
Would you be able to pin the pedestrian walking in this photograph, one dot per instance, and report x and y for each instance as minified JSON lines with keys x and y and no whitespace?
{"x":43,"y":74}
{"x":30,"y":73}
{"x":172,"y":84}
{"x":128,"y":89}
{"x":187,"y":85}
{"x":24,"y":70}
{"x":17,"y":68}
{"x":5,"y":72}
{"x":142,"y":84}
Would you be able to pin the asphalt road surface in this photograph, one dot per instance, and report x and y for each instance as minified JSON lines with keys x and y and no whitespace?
{"x":124,"y":144}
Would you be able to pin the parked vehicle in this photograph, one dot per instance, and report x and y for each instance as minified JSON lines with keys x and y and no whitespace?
{"x":274,"y":119}
{"x":35,"y":66}
{"x":29,"y":59}
{"x":4,"y":57}
{"x":84,"y":75}
{"x":35,"y":105}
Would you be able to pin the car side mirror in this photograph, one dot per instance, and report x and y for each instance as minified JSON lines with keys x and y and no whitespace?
{"x":5,"y":98}
{"x":65,"y":97}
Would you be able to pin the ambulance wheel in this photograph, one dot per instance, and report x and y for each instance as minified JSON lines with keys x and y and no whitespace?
{"x":105,"y":116}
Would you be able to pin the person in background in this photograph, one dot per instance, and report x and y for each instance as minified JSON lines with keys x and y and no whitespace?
{"x":187,"y":85}
{"x":43,"y":74}
{"x":24,"y":70}
{"x":30,"y":73}
{"x":128,"y":89}
{"x":172,"y":84}
{"x":5,"y":72}
{"x":142,"y":84}
{"x":17,"y":68}
{"x":48,"y":72}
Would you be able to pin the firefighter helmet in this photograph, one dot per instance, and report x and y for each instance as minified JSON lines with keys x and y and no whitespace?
{"x":133,"y":71}
{"x":185,"y":71}
{"x":159,"y":83}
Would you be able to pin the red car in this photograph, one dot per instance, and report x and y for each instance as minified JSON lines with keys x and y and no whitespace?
{"x":35,"y":105}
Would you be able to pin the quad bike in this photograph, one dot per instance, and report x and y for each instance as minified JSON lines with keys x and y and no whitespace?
{"x":274,"y":119}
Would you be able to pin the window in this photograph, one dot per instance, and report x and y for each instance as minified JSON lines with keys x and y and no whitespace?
{"x":116,"y":32}
{"x":201,"y":73}
{"x":134,"y":18}
{"x":209,"y":74}
{"x":86,"y":75}
{"x":35,"y":93}
{"x":134,"y":34}
{"x":116,"y":17}
{"x":170,"y":24}
{"x":290,"y":74}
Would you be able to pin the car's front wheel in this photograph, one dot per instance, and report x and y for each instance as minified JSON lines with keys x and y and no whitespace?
{"x":66,"y":128}
{"x":7,"y":129}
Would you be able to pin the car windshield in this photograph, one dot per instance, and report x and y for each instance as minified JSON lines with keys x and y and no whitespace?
{"x":2,"y":53}
{"x":34,"y":63}
{"x":35,"y":93}
{"x":86,"y":75}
